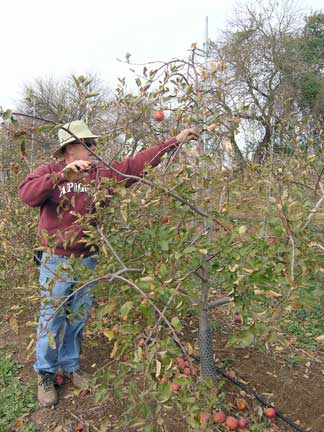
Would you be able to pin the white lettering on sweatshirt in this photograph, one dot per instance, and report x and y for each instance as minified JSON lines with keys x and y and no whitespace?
{"x":72,"y":187}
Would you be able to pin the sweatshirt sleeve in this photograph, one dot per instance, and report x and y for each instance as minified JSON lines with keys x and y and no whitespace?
{"x":136,"y":165}
{"x":38,"y":186}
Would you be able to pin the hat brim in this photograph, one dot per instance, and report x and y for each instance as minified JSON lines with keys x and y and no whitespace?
{"x":58,"y":152}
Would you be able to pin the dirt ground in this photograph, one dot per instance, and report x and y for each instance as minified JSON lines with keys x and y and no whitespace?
{"x":296,"y":390}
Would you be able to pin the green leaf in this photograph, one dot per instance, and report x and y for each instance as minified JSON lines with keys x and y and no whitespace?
{"x":126,"y":308}
{"x":189,"y":250}
{"x":164,"y":245}
{"x":242,"y":229}
{"x":164,"y":392}
{"x":92,"y":94}
{"x":176,"y":323}
{"x":51,"y":340}
{"x":244,"y":340}
{"x":146,"y":411}
{"x":7,"y":115}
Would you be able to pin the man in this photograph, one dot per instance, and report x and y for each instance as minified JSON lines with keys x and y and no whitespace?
{"x":63,"y":191}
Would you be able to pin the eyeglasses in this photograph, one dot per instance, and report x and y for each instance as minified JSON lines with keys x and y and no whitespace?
{"x":88,"y":142}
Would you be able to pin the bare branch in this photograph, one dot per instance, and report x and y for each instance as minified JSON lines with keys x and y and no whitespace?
{"x":315,"y":208}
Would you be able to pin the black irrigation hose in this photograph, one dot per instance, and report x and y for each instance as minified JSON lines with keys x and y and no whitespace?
{"x":256,"y":396}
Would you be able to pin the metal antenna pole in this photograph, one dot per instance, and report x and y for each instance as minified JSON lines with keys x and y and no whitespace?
{"x":205,"y":341}
{"x":33,"y":135}
{"x":205,"y":86}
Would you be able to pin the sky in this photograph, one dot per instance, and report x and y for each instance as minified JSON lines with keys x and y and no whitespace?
{"x":43,"y":39}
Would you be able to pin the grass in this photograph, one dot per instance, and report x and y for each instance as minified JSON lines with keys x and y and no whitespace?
{"x":306,"y":325}
{"x":17,"y":400}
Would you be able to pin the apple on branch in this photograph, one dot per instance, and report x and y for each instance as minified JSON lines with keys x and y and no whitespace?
{"x":159,"y":116}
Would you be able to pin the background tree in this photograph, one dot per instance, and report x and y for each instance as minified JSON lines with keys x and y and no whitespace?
{"x":305,"y":69}
{"x":83,"y":97}
{"x":258,"y":95}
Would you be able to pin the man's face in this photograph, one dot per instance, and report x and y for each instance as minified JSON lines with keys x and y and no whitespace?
{"x":77,"y":151}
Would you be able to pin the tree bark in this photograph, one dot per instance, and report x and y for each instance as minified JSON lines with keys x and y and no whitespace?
{"x":262,"y":149}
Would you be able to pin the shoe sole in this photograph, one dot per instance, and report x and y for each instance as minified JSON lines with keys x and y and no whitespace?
{"x":48,"y":406}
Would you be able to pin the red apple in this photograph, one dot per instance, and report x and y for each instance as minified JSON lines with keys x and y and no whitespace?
{"x":186,"y":371}
{"x":183,"y":365}
{"x":84,"y":393}
{"x":238,"y":319}
{"x":6,"y":317}
{"x":59,"y":379}
{"x":175,"y":387}
{"x":164,"y":379}
{"x":15,"y":168}
{"x":180,"y":362}
{"x":165,"y":219}
{"x":204,"y":418}
{"x":232,"y":423}
{"x":270,"y":413}
{"x":219,"y":417}
{"x":243,"y":422}
{"x":241,"y":404}
{"x":159,"y":116}
{"x":231,"y":373}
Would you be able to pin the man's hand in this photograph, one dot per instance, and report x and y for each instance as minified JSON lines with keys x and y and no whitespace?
{"x":76,"y":170}
{"x":187,"y":135}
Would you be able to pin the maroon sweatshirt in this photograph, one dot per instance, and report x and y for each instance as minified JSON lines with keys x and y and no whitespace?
{"x":61,"y":203}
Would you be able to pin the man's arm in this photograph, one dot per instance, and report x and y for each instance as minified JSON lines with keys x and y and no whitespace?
{"x":133,"y":165}
{"x":37,"y":186}
{"x":149,"y":157}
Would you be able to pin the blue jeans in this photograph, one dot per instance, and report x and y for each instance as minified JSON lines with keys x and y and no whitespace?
{"x":59,"y":337}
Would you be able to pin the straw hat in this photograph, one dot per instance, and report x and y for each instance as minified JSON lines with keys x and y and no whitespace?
{"x":78,"y":130}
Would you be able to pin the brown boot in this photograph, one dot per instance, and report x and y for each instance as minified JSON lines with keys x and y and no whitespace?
{"x":79,"y":379}
{"x":47,"y":395}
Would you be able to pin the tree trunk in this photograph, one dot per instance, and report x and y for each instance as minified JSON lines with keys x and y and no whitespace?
{"x":262,"y":149}
{"x":237,"y":152}
{"x":207,"y":362}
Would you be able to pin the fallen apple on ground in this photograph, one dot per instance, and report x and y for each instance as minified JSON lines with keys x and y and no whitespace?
{"x":219,"y":417}
{"x":204,"y":418}
{"x":59,"y":379}
{"x":231,"y":423}
{"x":165,"y":219}
{"x":241,"y":404}
{"x":175,"y":387}
{"x":243,"y":422}
{"x":231,"y":373}
{"x":238,"y":319}
{"x":270,"y":413}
